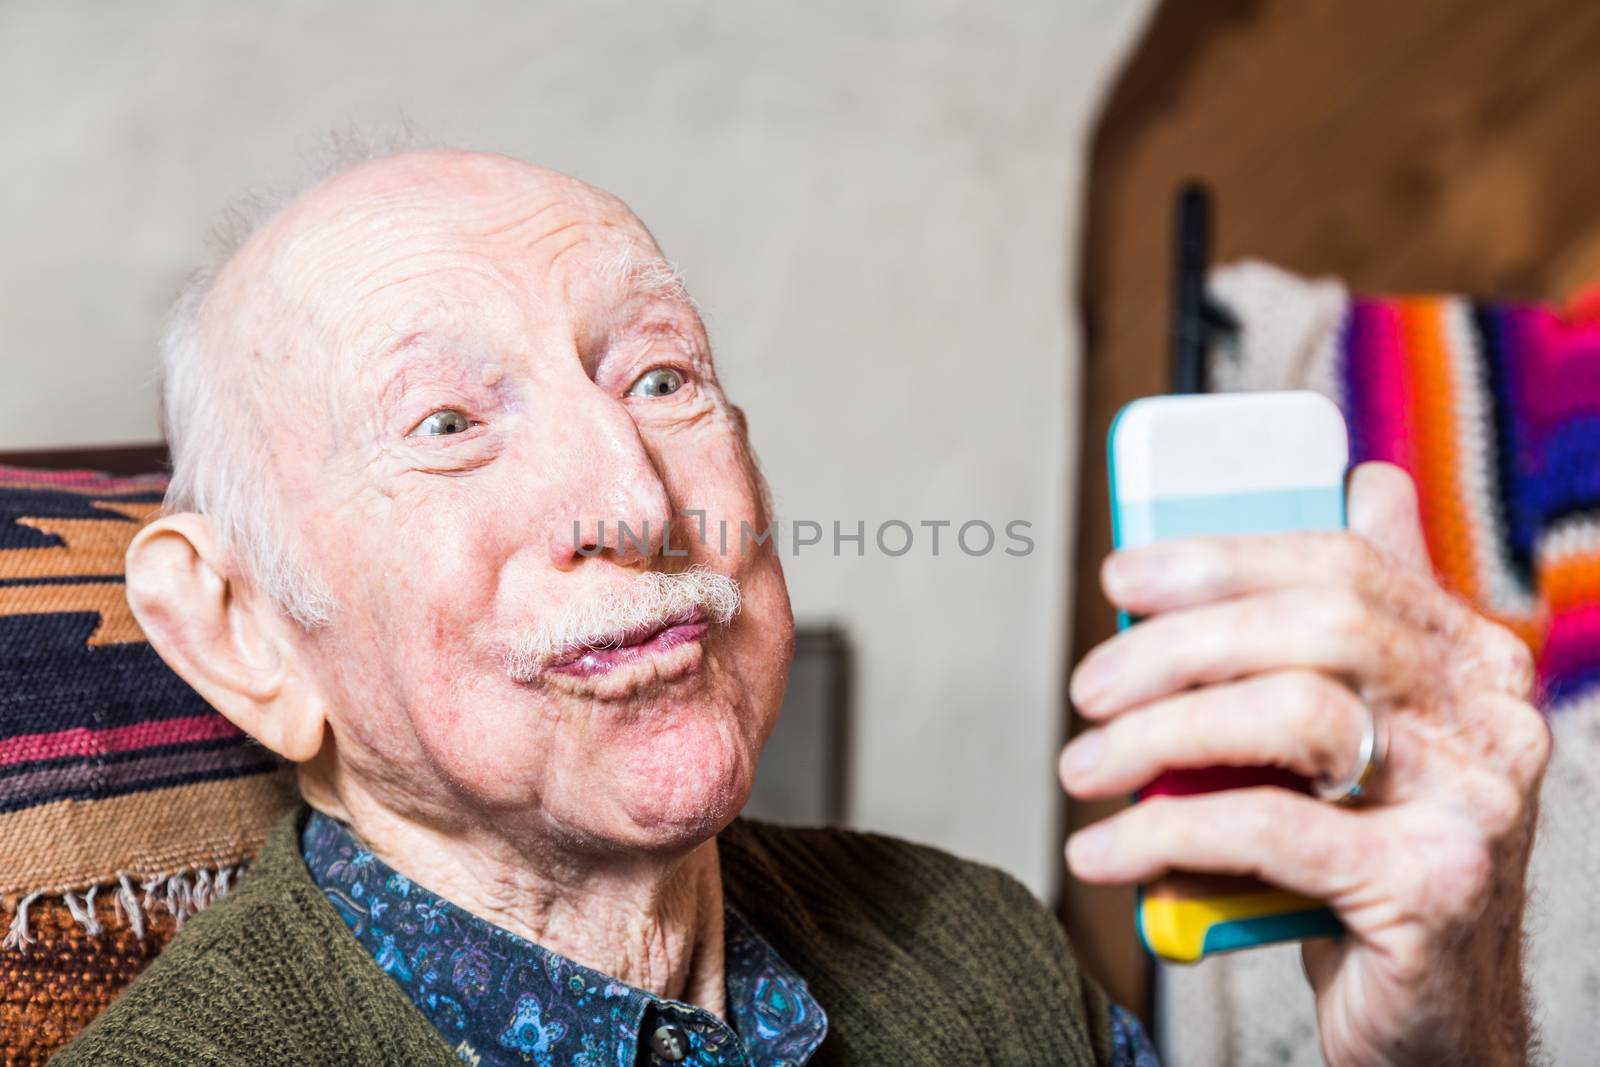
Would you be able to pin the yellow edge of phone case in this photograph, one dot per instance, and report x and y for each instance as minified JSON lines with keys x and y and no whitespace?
{"x":1176,"y":928}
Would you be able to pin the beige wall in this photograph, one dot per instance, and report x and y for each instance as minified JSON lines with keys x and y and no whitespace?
{"x":875,"y":202}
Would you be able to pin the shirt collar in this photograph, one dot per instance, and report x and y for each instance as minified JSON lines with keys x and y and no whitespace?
{"x":499,"y":998}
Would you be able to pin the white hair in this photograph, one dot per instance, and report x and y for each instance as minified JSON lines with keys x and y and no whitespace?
{"x":220,"y":468}
{"x":652,"y":275}
{"x":220,"y":465}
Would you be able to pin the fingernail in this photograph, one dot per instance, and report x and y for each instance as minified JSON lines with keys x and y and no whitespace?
{"x":1088,"y":849}
{"x":1082,"y":756}
{"x":1120,"y":576}
{"x":1130,"y":573}
{"x":1094,"y":677}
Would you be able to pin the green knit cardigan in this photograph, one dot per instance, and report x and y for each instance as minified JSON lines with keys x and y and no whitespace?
{"x":917,"y":957}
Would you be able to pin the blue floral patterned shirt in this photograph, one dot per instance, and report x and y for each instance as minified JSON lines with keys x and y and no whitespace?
{"x":500,"y":999}
{"x":1130,"y":1045}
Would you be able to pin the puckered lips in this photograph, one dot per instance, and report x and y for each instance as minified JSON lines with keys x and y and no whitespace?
{"x":657,"y":646}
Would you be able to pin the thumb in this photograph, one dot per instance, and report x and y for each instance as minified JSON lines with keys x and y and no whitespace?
{"x":1381,"y":503}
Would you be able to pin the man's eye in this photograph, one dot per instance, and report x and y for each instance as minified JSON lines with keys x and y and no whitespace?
{"x":663,"y":381}
{"x":446,"y":421}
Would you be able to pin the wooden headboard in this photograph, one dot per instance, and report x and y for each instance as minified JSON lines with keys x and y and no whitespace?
{"x":120,"y":460}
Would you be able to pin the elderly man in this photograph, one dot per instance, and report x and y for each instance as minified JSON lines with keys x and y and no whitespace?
{"x":438,"y":430}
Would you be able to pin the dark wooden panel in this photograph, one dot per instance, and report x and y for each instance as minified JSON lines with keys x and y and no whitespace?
{"x":113,"y":459}
{"x":1425,"y":145}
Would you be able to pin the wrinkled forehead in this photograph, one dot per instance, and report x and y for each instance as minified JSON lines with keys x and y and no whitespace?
{"x":525,"y":266}
{"x":353,"y":267}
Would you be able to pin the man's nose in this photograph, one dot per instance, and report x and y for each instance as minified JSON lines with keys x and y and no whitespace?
{"x":615,"y":503}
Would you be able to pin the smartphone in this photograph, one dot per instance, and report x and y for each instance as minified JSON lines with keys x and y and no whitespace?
{"x":1207,"y":464}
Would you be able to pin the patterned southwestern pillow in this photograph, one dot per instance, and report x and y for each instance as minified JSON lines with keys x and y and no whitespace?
{"x":126,"y":802}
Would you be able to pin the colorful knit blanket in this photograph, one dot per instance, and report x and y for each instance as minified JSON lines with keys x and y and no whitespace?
{"x":125,"y":801}
{"x":1494,"y":408}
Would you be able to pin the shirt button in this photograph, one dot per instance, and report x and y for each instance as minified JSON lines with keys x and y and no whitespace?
{"x":670,"y":1043}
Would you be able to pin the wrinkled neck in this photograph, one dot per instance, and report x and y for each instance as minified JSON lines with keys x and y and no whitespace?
{"x":653,"y":922}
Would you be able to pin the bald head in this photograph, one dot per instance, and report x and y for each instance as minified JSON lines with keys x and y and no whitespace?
{"x":387,"y":223}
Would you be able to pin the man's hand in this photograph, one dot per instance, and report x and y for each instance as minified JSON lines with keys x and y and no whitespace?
{"x":1271,"y":650}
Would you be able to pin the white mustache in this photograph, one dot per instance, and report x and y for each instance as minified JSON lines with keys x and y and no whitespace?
{"x":646,"y":602}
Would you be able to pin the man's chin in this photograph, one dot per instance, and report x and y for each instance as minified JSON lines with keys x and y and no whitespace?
{"x":679,"y":794}
{"x":676,"y":832}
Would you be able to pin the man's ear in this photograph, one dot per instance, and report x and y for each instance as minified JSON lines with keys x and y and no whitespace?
{"x":222,"y":636}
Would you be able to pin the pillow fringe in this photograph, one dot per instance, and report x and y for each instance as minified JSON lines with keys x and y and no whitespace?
{"x":182,"y":894}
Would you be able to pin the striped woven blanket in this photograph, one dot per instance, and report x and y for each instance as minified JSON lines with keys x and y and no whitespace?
{"x":125,"y":801}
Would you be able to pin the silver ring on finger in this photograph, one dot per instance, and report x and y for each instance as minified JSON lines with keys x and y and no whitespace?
{"x":1370,"y":756}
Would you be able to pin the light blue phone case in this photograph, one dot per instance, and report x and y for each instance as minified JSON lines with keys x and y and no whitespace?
{"x":1186,"y":923}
